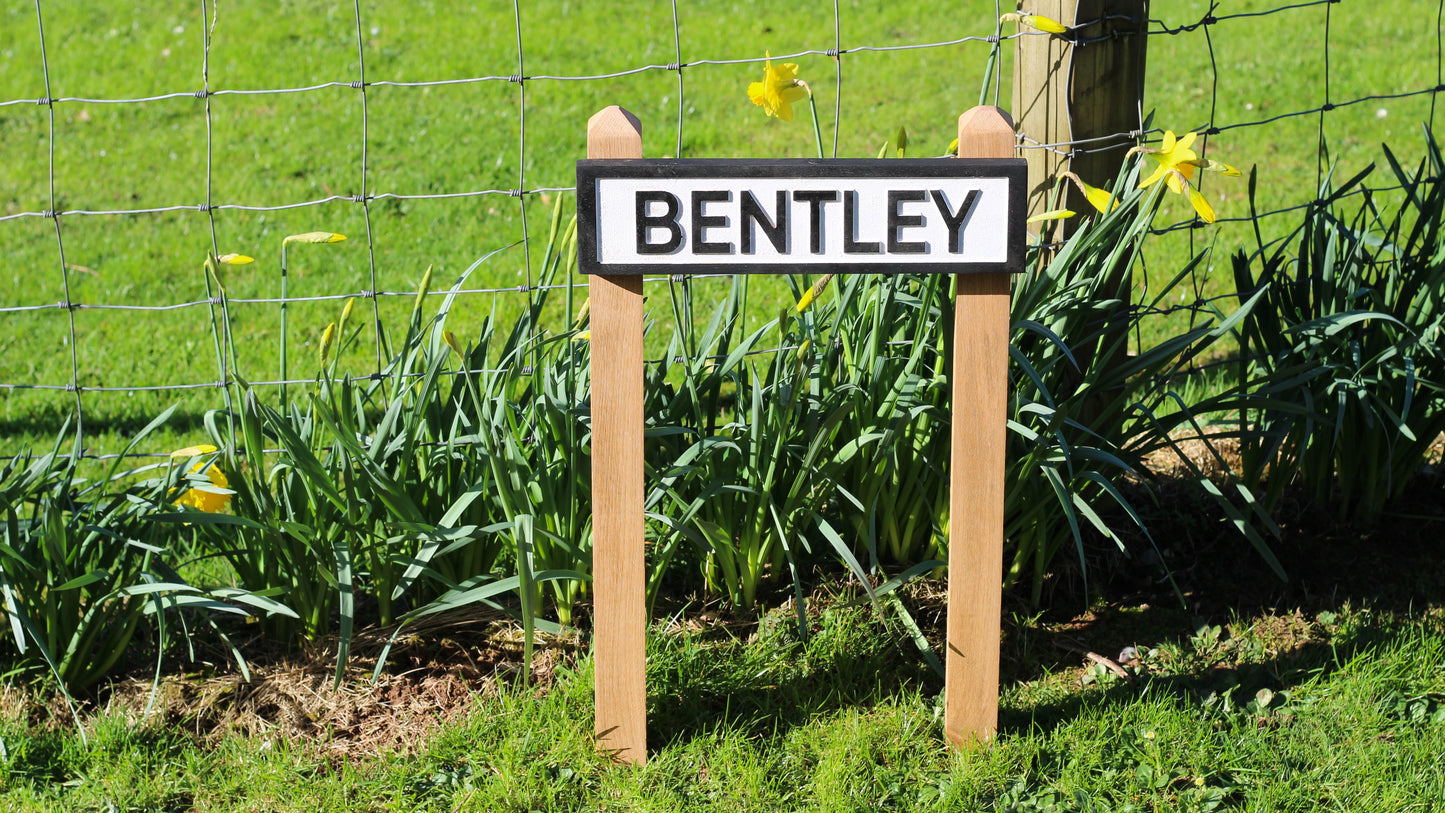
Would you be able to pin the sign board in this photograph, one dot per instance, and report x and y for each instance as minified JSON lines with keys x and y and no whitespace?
{"x":735,"y":216}
{"x":962,"y":216}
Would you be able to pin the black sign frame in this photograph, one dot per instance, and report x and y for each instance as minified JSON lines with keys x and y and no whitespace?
{"x":589,"y":171}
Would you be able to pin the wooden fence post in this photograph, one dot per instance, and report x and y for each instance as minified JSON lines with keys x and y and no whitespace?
{"x":1076,"y":87}
{"x":619,"y":632}
{"x":976,"y":466}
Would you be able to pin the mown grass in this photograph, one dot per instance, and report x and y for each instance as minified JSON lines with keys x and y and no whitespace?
{"x":1343,"y":709}
{"x":282,"y":149}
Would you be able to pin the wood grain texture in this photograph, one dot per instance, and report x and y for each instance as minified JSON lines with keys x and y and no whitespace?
{"x":1065,"y":94}
{"x":976,"y":466}
{"x":618,"y":567}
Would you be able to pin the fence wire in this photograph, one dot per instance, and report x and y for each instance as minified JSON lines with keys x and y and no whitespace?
{"x":695,"y":74}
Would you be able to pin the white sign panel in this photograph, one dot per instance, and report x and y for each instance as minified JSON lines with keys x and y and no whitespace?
{"x":732,"y":216}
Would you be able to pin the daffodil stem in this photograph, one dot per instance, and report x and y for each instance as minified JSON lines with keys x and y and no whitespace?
{"x":817,"y":130}
{"x":283,"y":326}
{"x":990,"y":68}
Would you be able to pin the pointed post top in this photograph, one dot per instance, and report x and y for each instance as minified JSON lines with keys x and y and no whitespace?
{"x":985,"y":132}
{"x":614,"y":133}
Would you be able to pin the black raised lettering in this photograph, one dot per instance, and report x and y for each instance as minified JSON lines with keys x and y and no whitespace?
{"x":815,"y":200}
{"x":776,"y":230}
{"x":850,"y":230}
{"x":897,"y":220}
{"x":667,"y":220}
{"x":701,"y":222}
{"x":955,"y":219}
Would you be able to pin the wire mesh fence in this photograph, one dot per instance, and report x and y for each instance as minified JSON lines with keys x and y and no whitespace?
{"x":136,"y":144}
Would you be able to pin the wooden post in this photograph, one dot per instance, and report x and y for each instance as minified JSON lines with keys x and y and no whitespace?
{"x":976,"y":465}
{"x":1066,"y":93}
{"x":618,"y":569}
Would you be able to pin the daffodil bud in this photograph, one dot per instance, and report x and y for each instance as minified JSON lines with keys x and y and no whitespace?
{"x":451,"y":339}
{"x":421,"y":292}
{"x":313,"y":237}
{"x":345,"y":316}
{"x":328,"y":338}
{"x":1036,"y":21}
{"x":1052,"y":214}
{"x":814,"y":292}
{"x":235,"y":259}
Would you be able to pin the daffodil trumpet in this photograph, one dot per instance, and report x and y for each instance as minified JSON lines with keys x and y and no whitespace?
{"x":779,"y":89}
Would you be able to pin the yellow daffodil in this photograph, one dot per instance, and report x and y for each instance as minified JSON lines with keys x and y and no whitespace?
{"x":1052,"y":214}
{"x":582,"y":336}
{"x":1173,"y":156}
{"x":778,"y":90}
{"x":953,"y":147}
{"x":1035,"y":21}
{"x":204,"y":500}
{"x":1177,"y":162}
{"x":314,"y":237}
{"x":813,"y":292}
{"x":1098,"y":198}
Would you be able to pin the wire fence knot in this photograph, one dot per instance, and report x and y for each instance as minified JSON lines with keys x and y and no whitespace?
{"x":201,"y":94}
{"x":674,"y":66}
{"x":833,"y":52}
{"x":515,"y":193}
{"x":44,"y":100}
{"x":357,"y":84}
{"x":516,"y":78}
{"x":358,"y":198}
{"x":993,"y":39}
{"x":1209,"y":131}
{"x":204,"y":207}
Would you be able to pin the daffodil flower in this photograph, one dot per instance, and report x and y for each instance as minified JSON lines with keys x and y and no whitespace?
{"x":778,"y":90}
{"x":1052,"y":214}
{"x":1035,"y":21}
{"x":235,"y":259}
{"x":1177,"y":162}
{"x":213,"y":499}
{"x":1098,"y":198}
{"x":1173,"y":156}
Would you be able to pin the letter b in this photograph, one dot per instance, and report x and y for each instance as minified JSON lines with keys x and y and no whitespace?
{"x":667,"y":220}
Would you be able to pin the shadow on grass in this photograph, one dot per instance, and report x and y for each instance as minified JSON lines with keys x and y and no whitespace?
{"x":777,"y":681}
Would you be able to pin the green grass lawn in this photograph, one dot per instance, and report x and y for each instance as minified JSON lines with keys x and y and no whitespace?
{"x":1338,"y":709}
{"x":279,"y":149}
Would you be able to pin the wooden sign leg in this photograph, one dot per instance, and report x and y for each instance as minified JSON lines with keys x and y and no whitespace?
{"x":976,"y":463}
{"x":618,"y":566}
